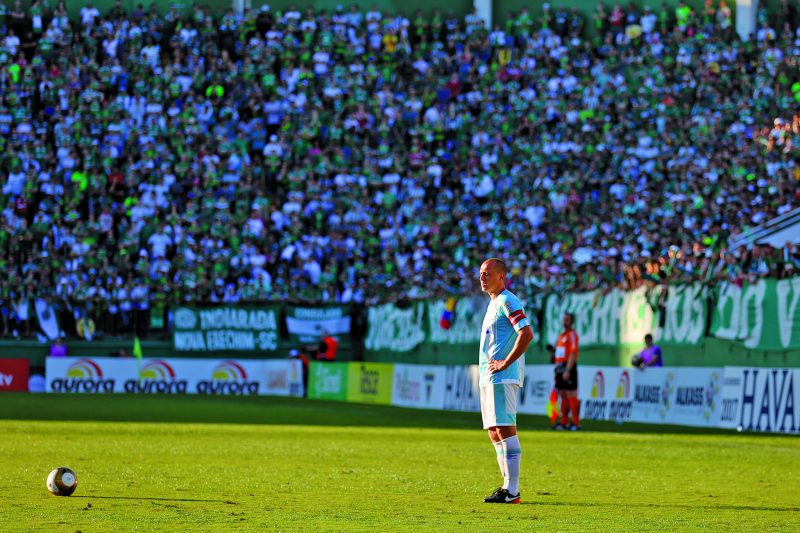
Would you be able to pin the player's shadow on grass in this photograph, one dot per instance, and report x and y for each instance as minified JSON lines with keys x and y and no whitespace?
{"x":92,"y":497}
{"x":720,"y":507}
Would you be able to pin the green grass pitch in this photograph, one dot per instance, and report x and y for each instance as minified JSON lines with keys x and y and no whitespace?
{"x":253,"y":464}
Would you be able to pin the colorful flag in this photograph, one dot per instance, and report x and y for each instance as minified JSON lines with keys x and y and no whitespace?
{"x":447,"y":315}
{"x":552,"y":406}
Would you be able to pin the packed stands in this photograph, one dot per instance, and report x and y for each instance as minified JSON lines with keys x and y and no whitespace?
{"x":356,"y":155}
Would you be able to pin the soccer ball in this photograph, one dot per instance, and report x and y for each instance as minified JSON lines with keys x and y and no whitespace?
{"x":62,"y":481}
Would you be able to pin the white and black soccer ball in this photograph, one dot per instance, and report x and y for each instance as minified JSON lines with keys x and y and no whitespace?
{"x":62,"y":481}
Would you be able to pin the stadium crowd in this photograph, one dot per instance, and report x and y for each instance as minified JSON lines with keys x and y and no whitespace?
{"x":358,"y":155}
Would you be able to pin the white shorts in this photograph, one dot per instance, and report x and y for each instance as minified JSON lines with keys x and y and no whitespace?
{"x":499,"y":404}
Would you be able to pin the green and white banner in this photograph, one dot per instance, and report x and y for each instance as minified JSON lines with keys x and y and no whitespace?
{"x":621,"y":317}
{"x":466,"y":324}
{"x":226,"y":329}
{"x":306,"y":324}
{"x":762,"y":316}
{"x":402,"y":329}
{"x":395,"y":329}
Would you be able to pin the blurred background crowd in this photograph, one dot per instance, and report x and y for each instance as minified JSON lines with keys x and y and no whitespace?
{"x":354,"y":155}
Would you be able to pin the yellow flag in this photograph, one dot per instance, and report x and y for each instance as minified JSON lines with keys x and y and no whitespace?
{"x":552,"y":405}
{"x":504,"y":56}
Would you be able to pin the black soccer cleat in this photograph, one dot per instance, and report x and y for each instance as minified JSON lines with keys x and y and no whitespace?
{"x":493,"y":496}
{"x":502,"y":495}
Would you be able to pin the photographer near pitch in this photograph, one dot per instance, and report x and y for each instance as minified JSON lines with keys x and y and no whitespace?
{"x":650,"y":356}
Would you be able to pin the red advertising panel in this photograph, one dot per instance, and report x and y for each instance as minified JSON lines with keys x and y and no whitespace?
{"x":14,"y":375}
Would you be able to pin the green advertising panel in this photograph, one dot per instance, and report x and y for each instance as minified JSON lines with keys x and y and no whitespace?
{"x":761,"y":316}
{"x":625,"y":317}
{"x":226,"y":329}
{"x":328,"y":381}
{"x":370,"y":383}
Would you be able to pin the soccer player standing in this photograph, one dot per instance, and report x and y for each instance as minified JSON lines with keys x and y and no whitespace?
{"x":505,"y":335}
{"x":567,"y":374}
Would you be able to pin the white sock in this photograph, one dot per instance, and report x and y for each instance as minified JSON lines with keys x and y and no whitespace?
{"x":513,"y":456}
{"x":501,"y":461}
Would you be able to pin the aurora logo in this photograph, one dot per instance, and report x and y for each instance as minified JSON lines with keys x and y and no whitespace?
{"x":596,"y":407}
{"x":228,"y":377}
{"x":624,"y":386}
{"x":229,"y":370}
{"x":84,"y":375}
{"x":621,"y":407}
{"x":157,"y":370}
{"x":84,"y":368}
{"x":157,"y":377}
{"x":599,"y":385}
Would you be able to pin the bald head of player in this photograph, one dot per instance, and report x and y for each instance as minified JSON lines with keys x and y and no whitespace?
{"x":493,"y":276}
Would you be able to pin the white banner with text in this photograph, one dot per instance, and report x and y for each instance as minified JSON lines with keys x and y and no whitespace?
{"x":682,"y":396}
{"x":174,"y":376}
{"x":420,"y":386}
{"x":761,"y":399}
{"x":539,"y":383}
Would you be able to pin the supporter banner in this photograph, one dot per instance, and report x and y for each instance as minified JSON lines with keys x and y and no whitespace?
{"x":466,"y":323}
{"x":14,"y":374}
{"x":48,"y":318}
{"x":328,"y":381}
{"x":621,"y":317}
{"x":461,"y":388}
{"x":402,"y":329}
{"x":761,"y":399}
{"x":370,"y":383}
{"x":174,"y":376}
{"x":306,"y":324}
{"x":683,"y":396}
{"x":226,"y":329}
{"x":606,"y":393}
{"x":534,"y":396}
{"x":762,"y":316}
{"x":419,"y":386}
{"x":391,"y":328}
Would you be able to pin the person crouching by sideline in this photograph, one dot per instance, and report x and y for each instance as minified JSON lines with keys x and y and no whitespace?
{"x":649,"y":357}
